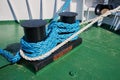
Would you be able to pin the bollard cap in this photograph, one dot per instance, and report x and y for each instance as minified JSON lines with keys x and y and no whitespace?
{"x":33,"y":23}
{"x":68,"y":14}
{"x":68,"y":17}
{"x":34,"y":30}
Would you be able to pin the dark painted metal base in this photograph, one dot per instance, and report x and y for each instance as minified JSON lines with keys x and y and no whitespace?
{"x":107,"y":27}
{"x":37,"y":65}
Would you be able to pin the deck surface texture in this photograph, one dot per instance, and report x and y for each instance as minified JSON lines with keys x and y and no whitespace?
{"x":97,"y":58}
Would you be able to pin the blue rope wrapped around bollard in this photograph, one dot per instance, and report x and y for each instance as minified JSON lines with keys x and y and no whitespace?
{"x":57,"y":32}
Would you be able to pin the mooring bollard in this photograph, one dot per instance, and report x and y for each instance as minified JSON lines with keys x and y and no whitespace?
{"x":34,"y":30}
{"x":68,"y":17}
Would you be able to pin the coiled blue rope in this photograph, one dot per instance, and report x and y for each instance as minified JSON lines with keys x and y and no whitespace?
{"x":63,"y":30}
{"x":10,"y":57}
{"x":56,"y":32}
{"x":54,"y":37}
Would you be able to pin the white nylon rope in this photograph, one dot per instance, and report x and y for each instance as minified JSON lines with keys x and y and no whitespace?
{"x":61,"y":44}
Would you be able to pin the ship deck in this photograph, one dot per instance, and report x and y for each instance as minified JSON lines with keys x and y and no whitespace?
{"x":97,"y":58}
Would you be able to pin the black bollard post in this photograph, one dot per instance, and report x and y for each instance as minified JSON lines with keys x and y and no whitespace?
{"x":68,"y":17}
{"x":34,"y":30}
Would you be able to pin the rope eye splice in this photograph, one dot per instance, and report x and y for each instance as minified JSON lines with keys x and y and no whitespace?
{"x":38,"y":40}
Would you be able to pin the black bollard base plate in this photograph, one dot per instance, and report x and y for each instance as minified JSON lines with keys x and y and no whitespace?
{"x":37,"y":65}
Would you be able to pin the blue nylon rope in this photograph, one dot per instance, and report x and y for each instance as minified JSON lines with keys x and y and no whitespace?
{"x":64,"y":7}
{"x":56,"y":33}
{"x":54,"y":37}
{"x":10,"y":57}
{"x":52,"y":40}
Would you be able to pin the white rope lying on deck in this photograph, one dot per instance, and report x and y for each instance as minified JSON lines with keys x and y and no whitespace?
{"x":74,"y":35}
